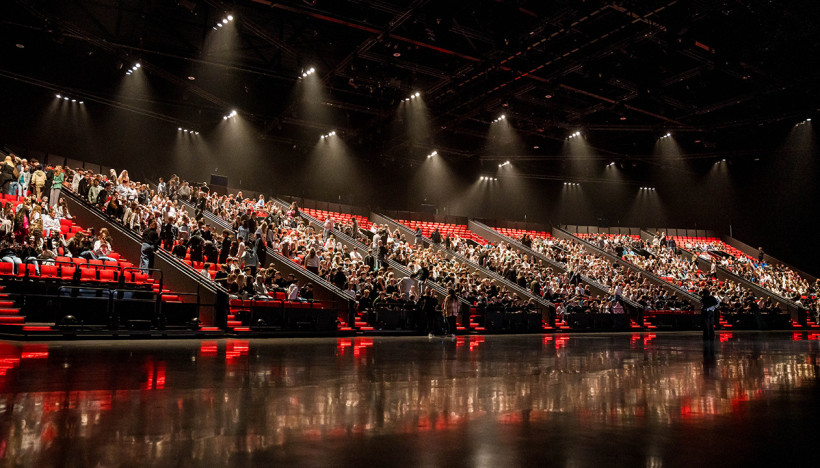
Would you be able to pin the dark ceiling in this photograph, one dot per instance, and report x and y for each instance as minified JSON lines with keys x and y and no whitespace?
{"x":717,"y":74}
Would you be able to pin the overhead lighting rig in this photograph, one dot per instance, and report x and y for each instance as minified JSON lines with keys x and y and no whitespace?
{"x":68,"y":98}
{"x":224,"y":22}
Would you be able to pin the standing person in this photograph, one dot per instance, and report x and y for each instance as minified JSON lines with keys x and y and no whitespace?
{"x":38,"y":179}
{"x":328,"y":227}
{"x":419,"y":236}
{"x":760,"y":255}
{"x":56,"y":186}
{"x":7,"y":175}
{"x":49,"y":180}
{"x":450,"y":311}
{"x":150,"y":242}
{"x":429,"y":303}
{"x":24,"y":179}
{"x":710,"y":306}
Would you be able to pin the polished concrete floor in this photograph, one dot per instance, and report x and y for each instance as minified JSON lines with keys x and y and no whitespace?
{"x":637,"y":400}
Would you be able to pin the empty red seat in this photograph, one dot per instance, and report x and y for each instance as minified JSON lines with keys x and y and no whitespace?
{"x":48,"y":271}
{"x":6,"y":268}
{"x":109,"y":276}
{"x":67,"y":272}
{"x":88,"y":274}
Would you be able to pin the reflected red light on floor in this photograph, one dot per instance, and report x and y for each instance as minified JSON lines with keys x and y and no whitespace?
{"x":475,"y":342}
{"x":234,"y":349}
{"x":342,"y":344}
{"x":797,"y":337}
{"x":34,"y":351}
{"x":459,"y":341}
{"x":208,"y":348}
{"x":724,"y":337}
{"x":160,"y":382}
{"x":814,"y":336}
{"x":546,"y":340}
{"x":561,"y":341}
{"x":360,"y":344}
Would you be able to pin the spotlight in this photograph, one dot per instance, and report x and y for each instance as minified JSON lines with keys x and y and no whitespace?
{"x":65,"y":99}
{"x":666,"y":136}
{"x":611,"y":164}
{"x":219,"y":24}
{"x":432,"y":154}
{"x":307,"y":72}
{"x":500,"y":118}
{"x":73,"y":100}
{"x":225,"y":21}
{"x":58,"y":96}
{"x":575,"y":135}
{"x":179,"y":128}
{"x":229,"y":116}
{"x":137,"y":65}
{"x":230,"y":17}
{"x":328,"y":135}
{"x":507,"y":163}
{"x":81,"y":102}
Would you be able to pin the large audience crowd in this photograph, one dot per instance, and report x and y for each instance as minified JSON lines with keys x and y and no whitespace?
{"x":237,"y":258}
{"x":663,"y":257}
{"x":30,"y":219}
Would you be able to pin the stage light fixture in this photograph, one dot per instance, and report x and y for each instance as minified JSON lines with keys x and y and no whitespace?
{"x":611,"y":164}
{"x":58,"y":96}
{"x":668,"y":135}
{"x":307,"y":72}
{"x":432,"y":154}
{"x":230,"y":116}
{"x":575,"y":135}
{"x":230,"y":17}
{"x":500,"y":118}
{"x":328,"y":135}
{"x":507,"y":163}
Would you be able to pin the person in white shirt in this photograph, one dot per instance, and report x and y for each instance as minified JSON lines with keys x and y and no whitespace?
{"x":355,"y":255}
{"x":293,"y":291}
{"x":50,"y":222}
{"x":328,"y":227}
{"x":260,"y":204}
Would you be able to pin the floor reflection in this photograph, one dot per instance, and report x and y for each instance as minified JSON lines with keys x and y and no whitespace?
{"x":228,"y":402}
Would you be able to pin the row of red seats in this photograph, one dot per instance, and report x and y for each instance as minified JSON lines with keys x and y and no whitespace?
{"x":427,"y":229}
{"x":519,"y":233}
{"x":88,"y":273}
{"x":278,"y":301}
{"x":681,"y":241}
{"x":582,"y":235}
{"x":343,"y":218}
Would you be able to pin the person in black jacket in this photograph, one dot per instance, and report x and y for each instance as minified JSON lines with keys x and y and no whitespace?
{"x":150,"y":242}
{"x":436,"y":236}
{"x":710,"y":306}
{"x":6,"y":174}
